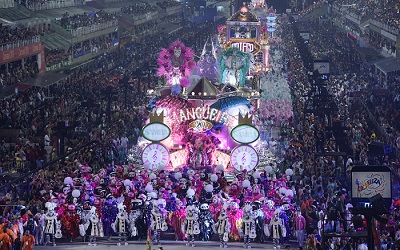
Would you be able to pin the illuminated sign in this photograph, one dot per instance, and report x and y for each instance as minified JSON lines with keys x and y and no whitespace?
{"x":245,"y":45}
{"x":369,"y":181}
{"x":205,"y":113}
{"x":156,"y":131}
{"x":200,"y":126}
{"x":245,"y":134}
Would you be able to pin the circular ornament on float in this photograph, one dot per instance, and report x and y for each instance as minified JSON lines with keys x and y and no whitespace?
{"x":245,"y":134}
{"x":155,"y":155}
{"x":156,"y":131}
{"x":244,"y":157}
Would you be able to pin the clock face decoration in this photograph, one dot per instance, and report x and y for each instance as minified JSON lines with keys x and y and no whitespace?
{"x":244,"y":157}
{"x":155,"y":155}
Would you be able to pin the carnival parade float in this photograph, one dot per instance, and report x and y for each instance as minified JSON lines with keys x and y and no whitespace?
{"x":206,"y":162}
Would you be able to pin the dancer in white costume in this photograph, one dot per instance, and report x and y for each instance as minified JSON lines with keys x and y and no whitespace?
{"x":277,"y":229}
{"x":248,"y":226}
{"x":51,"y":227}
{"x":96,"y":227}
{"x":120,"y":225}
{"x":190,"y":226}
{"x":223,"y":227}
{"x":158,"y":222}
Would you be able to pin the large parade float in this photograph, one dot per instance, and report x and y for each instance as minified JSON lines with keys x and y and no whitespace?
{"x":207,"y":114}
{"x":213,"y":122}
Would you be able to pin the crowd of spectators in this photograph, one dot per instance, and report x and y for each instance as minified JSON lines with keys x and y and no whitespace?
{"x":138,"y":9}
{"x":390,"y":16}
{"x":18,"y":71}
{"x":36,"y":112}
{"x":316,"y":178}
{"x":10,"y":35}
{"x":73,"y":22}
{"x":315,"y":5}
{"x":313,"y":172}
{"x":367,"y":104}
{"x":387,"y":12}
{"x":94,"y":45}
{"x":56,"y":56}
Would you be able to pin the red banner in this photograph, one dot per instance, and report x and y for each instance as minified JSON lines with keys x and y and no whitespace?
{"x":20,"y":52}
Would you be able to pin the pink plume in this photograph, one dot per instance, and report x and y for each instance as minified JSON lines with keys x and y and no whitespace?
{"x":161,"y":71}
{"x":184,"y":82}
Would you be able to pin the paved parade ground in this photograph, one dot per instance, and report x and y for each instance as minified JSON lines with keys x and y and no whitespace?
{"x":167,"y":245}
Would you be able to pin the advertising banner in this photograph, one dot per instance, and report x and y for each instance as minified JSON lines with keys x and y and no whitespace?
{"x":20,"y":52}
{"x":368,"y":181}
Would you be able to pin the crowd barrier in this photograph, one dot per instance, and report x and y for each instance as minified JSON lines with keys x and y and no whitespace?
{"x":20,"y":43}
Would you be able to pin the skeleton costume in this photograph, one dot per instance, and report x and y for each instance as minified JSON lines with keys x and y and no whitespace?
{"x":95,"y":227}
{"x":222,"y":227}
{"x":158,"y":222}
{"x":136,"y":219}
{"x":190,"y":226}
{"x":248,"y":226}
{"x":52,"y":224}
{"x":120,"y":225}
{"x":206,"y":222}
{"x":259,"y":218}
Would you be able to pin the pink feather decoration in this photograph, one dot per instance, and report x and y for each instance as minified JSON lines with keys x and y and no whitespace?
{"x":164,"y":62}
{"x":185,"y":82}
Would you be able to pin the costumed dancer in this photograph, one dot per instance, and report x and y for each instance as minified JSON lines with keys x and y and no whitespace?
{"x":95,"y":227}
{"x":137,"y":223}
{"x":177,"y":218}
{"x":248,"y":226}
{"x":215,"y":207}
{"x":120,"y":225}
{"x":259,"y":218}
{"x":109,"y":214}
{"x":190,"y":226}
{"x":206,"y":222}
{"x":235,"y":219}
{"x":85,"y":220}
{"x":158,"y":222}
{"x":223,"y":227}
{"x":70,"y":222}
{"x":51,"y":223}
{"x":276,"y":229}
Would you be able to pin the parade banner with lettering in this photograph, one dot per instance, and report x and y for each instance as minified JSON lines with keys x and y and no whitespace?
{"x":244,"y":45}
{"x":20,"y":52}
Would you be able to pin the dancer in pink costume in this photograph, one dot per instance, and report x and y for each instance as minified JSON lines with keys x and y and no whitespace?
{"x":235,"y":219}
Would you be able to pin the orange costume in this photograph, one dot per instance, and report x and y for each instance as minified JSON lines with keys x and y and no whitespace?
{"x":5,"y":241}
{"x":28,"y":242}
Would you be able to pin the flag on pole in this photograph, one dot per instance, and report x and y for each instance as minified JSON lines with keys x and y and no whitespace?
{"x":148,"y":240}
